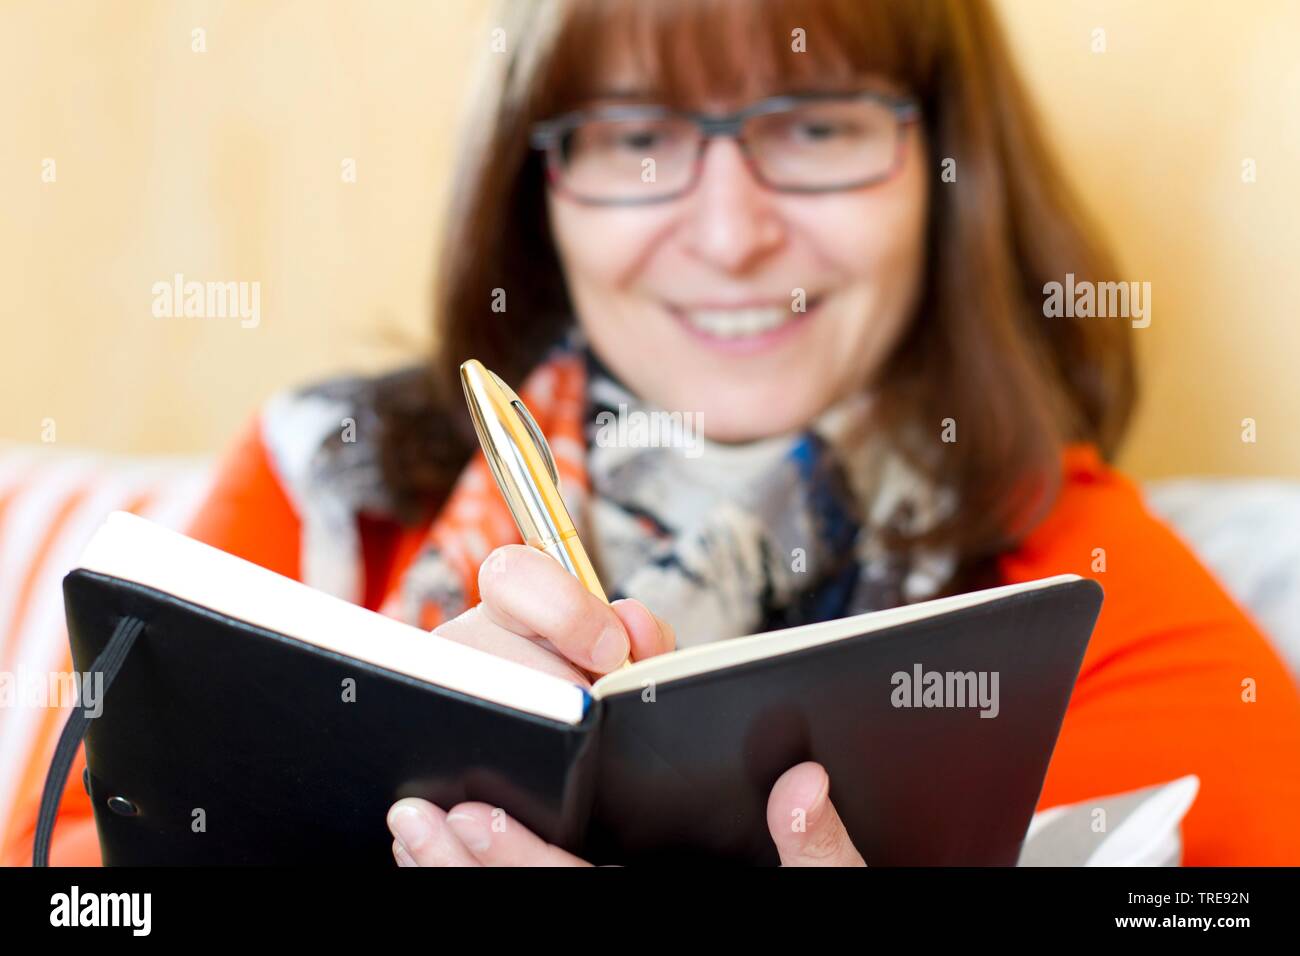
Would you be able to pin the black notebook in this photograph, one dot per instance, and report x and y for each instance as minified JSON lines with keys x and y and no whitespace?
{"x":257,"y":721}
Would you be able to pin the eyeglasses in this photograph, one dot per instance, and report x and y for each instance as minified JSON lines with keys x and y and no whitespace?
{"x":622,"y":155}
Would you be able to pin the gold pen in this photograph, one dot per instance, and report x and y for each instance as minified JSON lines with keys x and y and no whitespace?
{"x":524,"y":468}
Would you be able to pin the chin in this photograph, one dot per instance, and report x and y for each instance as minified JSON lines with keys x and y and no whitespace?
{"x":750,"y":417}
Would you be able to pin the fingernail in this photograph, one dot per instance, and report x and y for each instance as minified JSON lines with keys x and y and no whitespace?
{"x":470,"y":831}
{"x":610,"y":650}
{"x":409,"y":826}
{"x":822,"y":792}
{"x":401,"y":856}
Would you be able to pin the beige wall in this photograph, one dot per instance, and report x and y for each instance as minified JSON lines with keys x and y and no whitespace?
{"x":1154,"y":131}
{"x":226,"y":165}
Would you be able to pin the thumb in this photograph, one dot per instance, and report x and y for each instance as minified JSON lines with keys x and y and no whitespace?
{"x":804,"y":826}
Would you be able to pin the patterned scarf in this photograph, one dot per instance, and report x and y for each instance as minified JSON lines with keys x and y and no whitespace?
{"x":721,"y":540}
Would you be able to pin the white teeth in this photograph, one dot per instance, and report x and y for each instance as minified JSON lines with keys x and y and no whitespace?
{"x":737,"y":323}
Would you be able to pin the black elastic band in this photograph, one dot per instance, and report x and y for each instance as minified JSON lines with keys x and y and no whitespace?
{"x":109,"y":662}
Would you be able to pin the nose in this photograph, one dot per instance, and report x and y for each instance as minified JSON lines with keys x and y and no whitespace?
{"x":732,"y":222}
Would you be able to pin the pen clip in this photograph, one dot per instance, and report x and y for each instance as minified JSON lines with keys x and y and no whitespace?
{"x":535,"y":433}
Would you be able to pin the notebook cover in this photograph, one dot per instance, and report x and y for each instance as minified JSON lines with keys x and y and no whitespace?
{"x":251,"y":728}
{"x":686,"y":779}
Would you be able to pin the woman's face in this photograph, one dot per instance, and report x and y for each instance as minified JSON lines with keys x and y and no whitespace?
{"x":653,"y":285}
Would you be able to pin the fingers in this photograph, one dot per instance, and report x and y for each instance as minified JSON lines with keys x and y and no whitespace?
{"x":529,"y":593}
{"x":650,"y":635}
{"x":495,"y":839}
{"x":804,"y":825}
{"x":476,"y":629}
{"x":470,"y":834}
{"x":421,"y":836}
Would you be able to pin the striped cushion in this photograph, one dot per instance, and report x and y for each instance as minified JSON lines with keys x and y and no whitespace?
{"x":51,"y":502}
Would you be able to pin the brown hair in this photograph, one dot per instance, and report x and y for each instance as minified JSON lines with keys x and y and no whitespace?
{"x":979,"y":349}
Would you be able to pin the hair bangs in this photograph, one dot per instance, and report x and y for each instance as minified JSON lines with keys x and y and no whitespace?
{"x":697,"y":55}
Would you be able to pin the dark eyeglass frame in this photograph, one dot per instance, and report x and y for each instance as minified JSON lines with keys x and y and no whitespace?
{"x":546,"y":136}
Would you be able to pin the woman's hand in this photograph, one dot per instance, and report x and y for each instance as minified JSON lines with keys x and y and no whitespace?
{"x":535,"y":612}
{"x":804,"y":826}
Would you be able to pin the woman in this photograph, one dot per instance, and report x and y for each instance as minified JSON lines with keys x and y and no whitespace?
{"x":842,"y":286}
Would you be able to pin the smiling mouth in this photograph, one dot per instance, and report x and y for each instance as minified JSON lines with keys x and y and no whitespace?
{"x":739,"y":323}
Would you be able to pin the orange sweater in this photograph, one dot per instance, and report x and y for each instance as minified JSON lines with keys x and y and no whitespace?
{"x":1160,"y":693}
